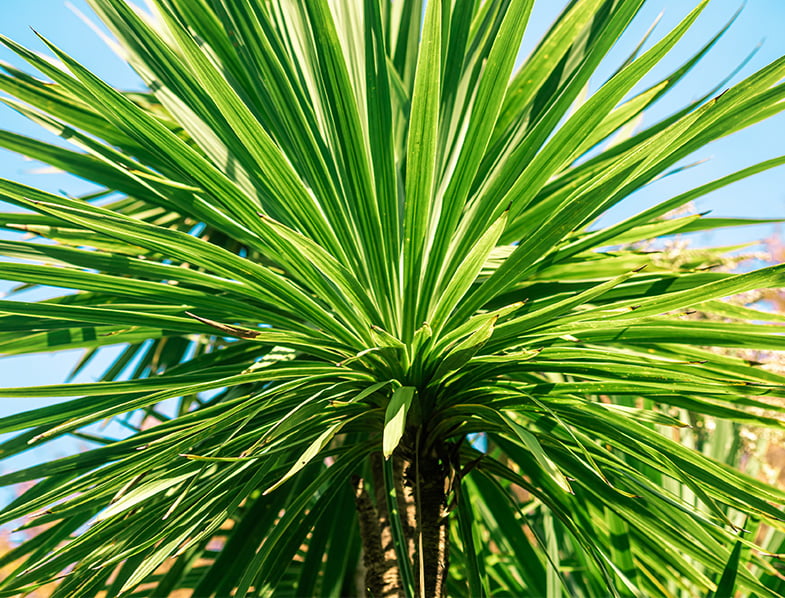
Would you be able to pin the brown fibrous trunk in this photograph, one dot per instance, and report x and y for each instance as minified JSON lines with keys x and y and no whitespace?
{"x":433,"y":532}
{"x":421,"y":485}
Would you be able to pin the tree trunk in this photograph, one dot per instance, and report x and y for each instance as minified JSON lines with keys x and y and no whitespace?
{"x":377,"y":567}
{"x":421,"y":485}
{"x":433,"y":530}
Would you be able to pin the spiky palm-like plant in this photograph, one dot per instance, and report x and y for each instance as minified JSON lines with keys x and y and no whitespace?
{"x":347,"y":249}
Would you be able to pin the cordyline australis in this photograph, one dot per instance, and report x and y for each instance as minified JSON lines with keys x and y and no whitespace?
{"x":371,"y":341}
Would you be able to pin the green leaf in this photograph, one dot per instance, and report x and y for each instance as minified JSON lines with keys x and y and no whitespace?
{"x":725,"y":587}
{"x":421,"y":159}
{"x":308,"y":455}
{"x":395,"y":418}
{"x":466,"y":525}
{"x":530,"y":442}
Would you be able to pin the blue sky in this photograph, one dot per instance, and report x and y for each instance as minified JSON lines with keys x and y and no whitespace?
{"x":762,"y":196}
